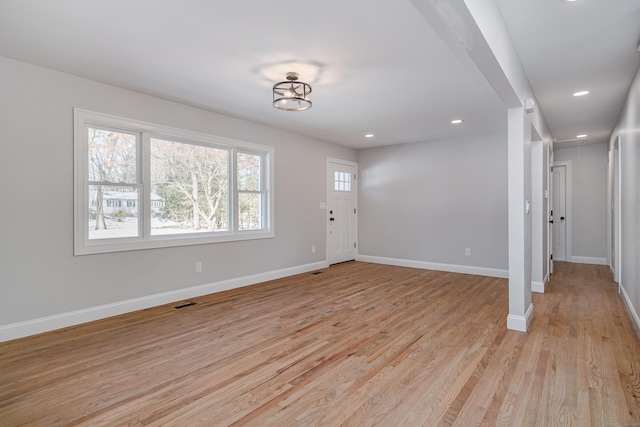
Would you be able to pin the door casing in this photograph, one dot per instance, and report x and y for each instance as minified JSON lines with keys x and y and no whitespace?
{"x":566,"y":165}
{"x":347,"y":244}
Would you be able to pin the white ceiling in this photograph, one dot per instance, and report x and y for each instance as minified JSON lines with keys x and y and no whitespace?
{"x":376,"y":66}
{"x":569,"y":46}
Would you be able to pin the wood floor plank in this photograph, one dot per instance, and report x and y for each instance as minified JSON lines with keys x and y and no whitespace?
{"x":356,"y":345}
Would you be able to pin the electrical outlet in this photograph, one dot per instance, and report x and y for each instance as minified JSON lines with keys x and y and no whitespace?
{"x":313,"y":249}
{"x":198,"y":266}
{"x":467,"y":251}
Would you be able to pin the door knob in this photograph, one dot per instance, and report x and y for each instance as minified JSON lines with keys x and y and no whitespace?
{"x":551,"y":221}
{"x":561,"y":218}
{"x":332,"y":219}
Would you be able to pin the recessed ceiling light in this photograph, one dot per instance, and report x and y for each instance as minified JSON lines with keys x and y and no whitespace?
{"x":581,"y":93}
{"x":582,"y":136}
{"x":456,"y":121}
{"x":369,"y":135}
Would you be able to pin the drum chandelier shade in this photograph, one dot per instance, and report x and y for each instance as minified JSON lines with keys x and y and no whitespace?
{"x":292,"y":95}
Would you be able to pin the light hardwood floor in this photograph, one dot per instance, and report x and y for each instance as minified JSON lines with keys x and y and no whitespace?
{"x":356,"y":345}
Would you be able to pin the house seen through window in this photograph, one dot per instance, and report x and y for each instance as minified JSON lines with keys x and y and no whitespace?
{"x":147,"y":185}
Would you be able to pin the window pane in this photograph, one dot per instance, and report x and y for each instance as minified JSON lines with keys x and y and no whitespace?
{"x":342,"y":181}
{"x":189,"y":188}
{"x":248,"y":172}
{"x":141,"y":185}
{"x":250,"y":215}
{"x":112,"y":156}
{"x":113,"y":212}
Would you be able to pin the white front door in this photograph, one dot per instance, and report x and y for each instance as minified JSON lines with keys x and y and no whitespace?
{"x":559,"y":213}
{"x":342,"y":216}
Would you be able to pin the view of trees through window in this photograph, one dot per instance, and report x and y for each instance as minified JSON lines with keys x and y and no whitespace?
{"x":189,"y":186}
{"x":113,"y":177}
{"x":140,"y":185}
{"x":192,"y":182}
{"x":249,"y":191}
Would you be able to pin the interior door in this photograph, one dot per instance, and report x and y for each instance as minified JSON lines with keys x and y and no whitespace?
{"x":559,"y":219}
{"x":342,"y":196}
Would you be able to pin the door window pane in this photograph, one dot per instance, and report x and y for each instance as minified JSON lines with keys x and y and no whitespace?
{"x":342,"y":181}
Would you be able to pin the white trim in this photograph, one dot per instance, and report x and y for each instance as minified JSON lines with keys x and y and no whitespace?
{"x":537,"y":287}
{"x":329,"y":182}
{"x":63,"y":320}
{"x":145,"y":240}
{"x":568,"y":243}
{"x":539,"y":223}
{"x":588,"y":260}
{"x":540,"y":287}
{"x":549,"y":231}
{"x":452,"y":268}
{"x":617,"y":208}
{"x":632,"y":311}
{"x":342,"y":162}
{"x":520,"y":323}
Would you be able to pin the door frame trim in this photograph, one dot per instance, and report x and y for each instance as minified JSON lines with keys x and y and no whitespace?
{"x":615,"y":210}
{"x":549,"y":217}
{"x":568,"y":243}
{"x":327,"y":186}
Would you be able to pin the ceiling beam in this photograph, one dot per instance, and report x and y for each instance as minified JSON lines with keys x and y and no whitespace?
{"x":454,"y":23}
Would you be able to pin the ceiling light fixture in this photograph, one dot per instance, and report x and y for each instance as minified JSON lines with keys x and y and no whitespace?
{"x":582,"y":136}
{"x":581,"y":93}
{"x":292,"y":95}
{"x":369,"y":135}
{"x":456,"y":121}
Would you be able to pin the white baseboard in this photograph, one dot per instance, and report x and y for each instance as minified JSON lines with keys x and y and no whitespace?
{"x":588,"y":260}
{"x":452,"y":268}
{"x":632,"y":311}
{"x":537,"y":287}
{"x":63,"y":320}
{"x":520,"y":323}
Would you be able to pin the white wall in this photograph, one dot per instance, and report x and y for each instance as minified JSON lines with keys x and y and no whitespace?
{"x":589,"y":165}
{"x":628,"y":128}
{"x":539,"y":216}
{"x":39,"y":276}
{"x":422,"y":204}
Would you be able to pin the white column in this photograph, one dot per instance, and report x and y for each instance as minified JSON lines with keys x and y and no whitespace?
{"x":520,"y":246}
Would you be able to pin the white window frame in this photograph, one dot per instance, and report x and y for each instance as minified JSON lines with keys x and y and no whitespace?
{"x":83,"y":245}
{"x":263,"y":194}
